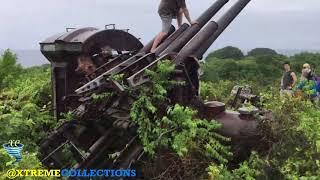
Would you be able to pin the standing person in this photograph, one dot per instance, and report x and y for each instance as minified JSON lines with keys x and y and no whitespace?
{"x":306,"y":73}
{"x":169,"y":10}
{"x":308,"y":83}
{"x":288,"y":81}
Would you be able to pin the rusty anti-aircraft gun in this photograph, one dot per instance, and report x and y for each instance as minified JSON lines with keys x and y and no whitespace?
{"x":104,"y":128}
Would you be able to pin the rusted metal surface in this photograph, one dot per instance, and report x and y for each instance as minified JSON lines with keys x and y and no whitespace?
{"x":214,"y":108}
{"x":163,"y":46}
{"x":87,"y":41}
{"x":244,"y":94}
{"x":148,"y":46}
{"x":234,"y":126}
{"x":117,"y":40}
{"x":84,"y":62}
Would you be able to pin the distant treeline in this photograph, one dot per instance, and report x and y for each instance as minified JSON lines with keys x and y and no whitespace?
{"x":260,"y":65}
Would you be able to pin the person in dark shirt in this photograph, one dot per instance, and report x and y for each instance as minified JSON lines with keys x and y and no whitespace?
{"x":288,"y":81}
{"x":169,"y":10}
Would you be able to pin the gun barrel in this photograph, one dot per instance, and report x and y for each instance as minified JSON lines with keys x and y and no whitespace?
{"x":196,"y":42}
{"x":210,"y":12}
{"x":171,"y":38}
{"x":183,"y":39}
{"x":223,"y":23}
{"x":148,"y":46}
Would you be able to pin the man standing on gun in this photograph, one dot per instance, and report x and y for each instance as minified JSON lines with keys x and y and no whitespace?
{"x":169,"y":10}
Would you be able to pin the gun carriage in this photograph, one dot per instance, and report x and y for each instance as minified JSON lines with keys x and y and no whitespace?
{"x":83,"y":59}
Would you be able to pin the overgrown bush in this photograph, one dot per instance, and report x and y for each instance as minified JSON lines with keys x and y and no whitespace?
{"x":294,"y":137}
{"x":261,"y":70}
{"x":249,"y":170}
{"x":293,"y":132}
{"x":25,"y":109}
{"x":9,"y":69}
{"x":218,"y":91}
{"x":29,"y":161}
{"x":176,"y":127}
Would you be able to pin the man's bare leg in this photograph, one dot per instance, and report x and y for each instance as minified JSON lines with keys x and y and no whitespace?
{"x":157,"y":41}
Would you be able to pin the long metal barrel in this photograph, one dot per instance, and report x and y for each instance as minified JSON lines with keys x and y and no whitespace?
{"x":194,"y":29}
{"x":148,"y":46}
{"x":171,"y":38}
{"x":223,"y":23}
{"x":196,"y":42}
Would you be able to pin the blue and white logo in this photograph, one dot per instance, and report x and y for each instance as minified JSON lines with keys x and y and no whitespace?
{"x":14,"y":149}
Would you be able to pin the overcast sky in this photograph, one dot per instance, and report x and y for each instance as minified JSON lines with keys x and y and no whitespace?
{"x":279,"y":24}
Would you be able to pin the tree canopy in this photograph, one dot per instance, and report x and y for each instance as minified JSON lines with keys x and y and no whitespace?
{"x":8,"y":68}
{"x":228,"y":52}
{"x":262,"y":52}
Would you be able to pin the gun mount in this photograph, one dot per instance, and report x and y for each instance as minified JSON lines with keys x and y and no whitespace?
{"x":83,"y":59}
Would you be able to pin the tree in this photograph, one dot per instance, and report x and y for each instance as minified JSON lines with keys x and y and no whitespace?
{"x":9,"y":68}
{"x":228,"y":52}
{"x":262,"y":52}
{"x":311,"y":58}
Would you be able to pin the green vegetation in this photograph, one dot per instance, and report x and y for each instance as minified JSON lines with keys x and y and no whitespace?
{"x":262,"y":69}
{"x":218,"y":91}
{"x":228,"y":52}
{"x":311,"y":58}
{"x":25,"y":109}
{"x":177,"y":128}
{"x":292,"y":134}
{"x":8,"y":68}
{"x":262,"y":52}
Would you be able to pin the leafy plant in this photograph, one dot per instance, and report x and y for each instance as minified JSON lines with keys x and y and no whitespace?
{"x":218,"y":91}
{"x":249,"y":170}
{"x":176,"y":127}
{"x":25,"y":110}
{"x":9,"y":69}
{"x":294,"y":137}
{"x":102,"y":96}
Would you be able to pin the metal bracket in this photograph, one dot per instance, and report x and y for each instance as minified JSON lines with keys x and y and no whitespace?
{"x":68,"y":29}
{"x":108,"y":25}
{"x":125,"y":30}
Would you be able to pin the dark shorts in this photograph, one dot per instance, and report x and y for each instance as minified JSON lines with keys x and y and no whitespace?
{"x":166,"y":23}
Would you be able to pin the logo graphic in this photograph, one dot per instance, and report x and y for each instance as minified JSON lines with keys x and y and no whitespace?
{"x":14,"y":148}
